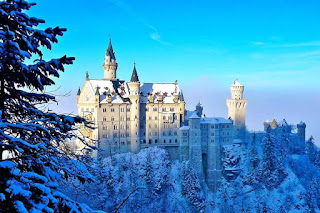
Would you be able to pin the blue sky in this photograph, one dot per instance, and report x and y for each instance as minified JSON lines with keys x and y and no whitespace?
{"x":272,"y":47}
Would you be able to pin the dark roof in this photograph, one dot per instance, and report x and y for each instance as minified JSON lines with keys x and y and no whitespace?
{"x":110,"y":51}
{"x":134,"y":76}
{"x":181,"y":96}
{"x":97,"y":91}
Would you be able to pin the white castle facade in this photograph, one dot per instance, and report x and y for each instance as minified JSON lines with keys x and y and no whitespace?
{"x":130,"y":116}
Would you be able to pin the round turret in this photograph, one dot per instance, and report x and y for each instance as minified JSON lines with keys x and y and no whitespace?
{"x":236,"y":90}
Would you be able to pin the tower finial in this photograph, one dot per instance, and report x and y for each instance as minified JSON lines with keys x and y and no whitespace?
{"x":87,"y":75}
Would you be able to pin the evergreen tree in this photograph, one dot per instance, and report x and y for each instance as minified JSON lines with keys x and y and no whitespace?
{"x":32,"y":140}
{"x":191,"y":188}
{"x":312,"y":196}
{"x":254,"y":156}
{"x":311,"y":149}
{"x":270,"y":170}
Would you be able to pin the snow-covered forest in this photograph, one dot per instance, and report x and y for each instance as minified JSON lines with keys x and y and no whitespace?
{"x":40,"y":172}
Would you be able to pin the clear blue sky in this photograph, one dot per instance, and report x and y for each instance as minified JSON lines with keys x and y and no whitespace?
{"x":272,"y":47}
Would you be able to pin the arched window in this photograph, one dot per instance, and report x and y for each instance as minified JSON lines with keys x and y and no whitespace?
{"x":112,"y":118}
{"x":115,"y":127}
{"x":104,"y":119}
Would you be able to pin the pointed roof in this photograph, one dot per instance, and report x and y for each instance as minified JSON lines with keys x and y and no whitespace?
{"x":110,"y":51}
{"x":199,"y":104}
{"x":181,"y":96}
{"x":194,"y":116}
{"x":79,"y":91}
{"x":134,"y":76}
{"x":237,"y":83}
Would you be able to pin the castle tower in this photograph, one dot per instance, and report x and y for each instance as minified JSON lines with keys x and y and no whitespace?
{"x":110,"y":64}
{"x":302,"y":133}
{"x":199,"y":109}
{"x":134,"y":89}
{"x":237,"y":105}
{"x":195,"y":153}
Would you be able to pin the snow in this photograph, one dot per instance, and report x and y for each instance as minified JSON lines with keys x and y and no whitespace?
{"x":215,"y":120}
{"x":194,"y":116}
{"x":184,"y":128}
{"x":236,"y":83}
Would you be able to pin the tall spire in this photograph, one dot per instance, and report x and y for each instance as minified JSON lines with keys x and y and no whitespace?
{"x":181,"y":96}
{"x":110,"y":51}
{"x":134,"y":76}
{"x":110,"y":64}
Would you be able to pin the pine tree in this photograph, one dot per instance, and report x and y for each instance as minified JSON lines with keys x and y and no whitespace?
{"x":269,"y":161}
{"x":312,"y":196}
{"x":254,"y":157}
{"x":32,"y":140}
{"x":311,"y":149}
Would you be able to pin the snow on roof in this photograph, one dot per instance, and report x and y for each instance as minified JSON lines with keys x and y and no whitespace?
{"x":237,"y":84}
{"x":167,"y":90}
{"x":194,"y":116}
{"x":189,"y":114}
{"x":119,"y":91}
{"x":184,"y":128}
{"x":215,"y":120}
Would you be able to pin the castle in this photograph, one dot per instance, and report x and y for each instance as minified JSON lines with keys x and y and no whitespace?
{"x":130,"y":116}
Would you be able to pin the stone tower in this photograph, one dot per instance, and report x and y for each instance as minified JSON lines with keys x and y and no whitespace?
{"x":237,"y":105}
{"x":110,"y":64}
{"x":134,"y":90}
{"x":302,"y":134}
{"x":199,"y":109}
{"x":195,"y":153}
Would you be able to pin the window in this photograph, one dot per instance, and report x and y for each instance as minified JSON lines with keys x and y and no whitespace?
{"x":155,"y":126}
{"x":171,"y":109}
{"x":112,"y":109}
{"x":170,"y":133}
{"x":212,"y":133}
{"x":112,"y":118}
{"x":156,"y":141}
{"x":115,"y":135}
{"x":156,"y":118}
{"x":212,"y":140}
{"x":121,"y":109}
{"x":147,"y":109}
{"x":212,"y":126}
{"x":129,"y":142}
{"x":155,"y":109}
{"x":104,"y":110}
{"x":122,"y":118}
{"x":115,"y":127}
{"x":170,"y":141}
{"x":164,"y":133}
{"x":150,"y":118}
{"x":144,"y":141}
{"x":164,"y":117}
{"x":128,"y":109}
{"x":175,"y":133}
{"x":121,"y":126}
{"x":164,"y":141}
{"x":150,"y":141}
{"x":163,"y":109}
{"x":128,"y":118}
{"x":176,"y":140}
{"x":104,"y":119}
{"x":156,"y":133}
{"x":228,"y":126}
